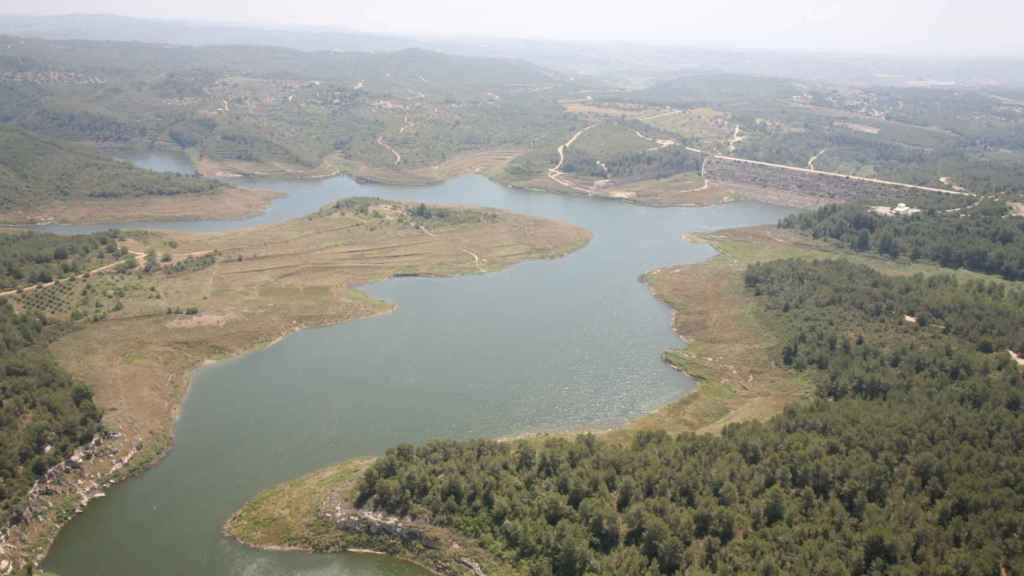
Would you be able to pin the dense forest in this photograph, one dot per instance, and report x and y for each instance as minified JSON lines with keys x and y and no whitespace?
{"x":34,"y":171}
{"x":29,"y":258}
{"x":44,"y":415}
{"x":909,"y":462}
{"x":982,"y":238}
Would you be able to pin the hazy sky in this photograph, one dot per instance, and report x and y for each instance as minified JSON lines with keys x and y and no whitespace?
{"x":945,"y":27}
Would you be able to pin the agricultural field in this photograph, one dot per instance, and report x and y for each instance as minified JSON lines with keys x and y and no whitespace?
{"x":94,"y":298}
{"x":608,"y":110}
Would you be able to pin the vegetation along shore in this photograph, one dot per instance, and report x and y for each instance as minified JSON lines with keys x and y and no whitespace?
{"x":833,"y":384}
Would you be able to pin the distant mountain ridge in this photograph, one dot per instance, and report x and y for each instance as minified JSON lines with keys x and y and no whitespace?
{"x":630,"y":63}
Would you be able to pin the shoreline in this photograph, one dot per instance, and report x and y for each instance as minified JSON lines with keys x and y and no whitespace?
{"x":165,"y":443}
{"x":712,"y":194}
{"x":135,"y":465}
{"x":704,"y":391}
{"x":149,"y":449}
{"x":232,"y":203}
{"x":246,"y":203}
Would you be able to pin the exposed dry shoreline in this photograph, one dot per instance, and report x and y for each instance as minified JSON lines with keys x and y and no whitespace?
{"x":486,"y":162}
{"x":228,"y":204}
{"x":143,"y":444}
{"x":677,"y":191}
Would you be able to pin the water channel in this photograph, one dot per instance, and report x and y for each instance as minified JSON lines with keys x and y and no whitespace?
{"x":545,"y":345}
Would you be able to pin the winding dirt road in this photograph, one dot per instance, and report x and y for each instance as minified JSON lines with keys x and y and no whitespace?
{"x":658,"y":144}
{"x":476,"y":257}
{"x":556,"y":174}
{"x":398,"y":157}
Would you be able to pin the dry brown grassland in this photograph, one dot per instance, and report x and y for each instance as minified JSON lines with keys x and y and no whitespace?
{"x":229,"y":203}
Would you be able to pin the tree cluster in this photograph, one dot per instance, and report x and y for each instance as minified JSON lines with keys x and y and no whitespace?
{"x":44,"y":414}
{"x":983,"y":238}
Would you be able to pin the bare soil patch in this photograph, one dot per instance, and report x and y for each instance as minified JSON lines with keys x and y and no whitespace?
{"x":486,"y":162}
{"x":775,"y":196}
{"x":229,"y":204}
{"x":623,"y":110}
{"x":237,"y":168}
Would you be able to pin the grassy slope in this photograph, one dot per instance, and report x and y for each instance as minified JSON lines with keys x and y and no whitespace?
{"x":731,"y":351}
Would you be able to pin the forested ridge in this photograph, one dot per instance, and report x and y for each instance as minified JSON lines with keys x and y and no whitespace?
{"x":44,"y":415}
{"x":34,"y":171}
{"x":984,"y":238}
{"x":908,"y":462}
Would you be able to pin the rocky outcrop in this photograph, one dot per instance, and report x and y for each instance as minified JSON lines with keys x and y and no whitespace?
{"x":428,"y":546}
{"x":377,"y":524}
{"x":60,"y":493}
{"x":472,"y":565}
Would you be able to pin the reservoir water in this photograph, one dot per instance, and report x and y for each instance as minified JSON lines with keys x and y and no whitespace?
{"x":547,"y":345}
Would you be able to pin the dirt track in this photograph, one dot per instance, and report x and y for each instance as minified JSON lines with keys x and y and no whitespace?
{"x":846,"y":176}
{"x":556,"y":174}
{"x":104,"y":268}
{"x":398,"y":157}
